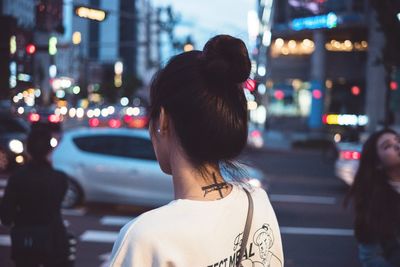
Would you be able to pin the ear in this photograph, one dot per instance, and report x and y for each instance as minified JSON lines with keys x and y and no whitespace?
{"x":163,"y":121}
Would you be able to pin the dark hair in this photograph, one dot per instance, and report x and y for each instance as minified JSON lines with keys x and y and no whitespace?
{"x":202,"y":94}
{"x":375,"y":202}
{"x":38,"y":144}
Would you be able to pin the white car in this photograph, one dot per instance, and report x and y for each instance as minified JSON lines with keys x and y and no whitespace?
{"x":117,"y":166}
{"x":347,"y":163}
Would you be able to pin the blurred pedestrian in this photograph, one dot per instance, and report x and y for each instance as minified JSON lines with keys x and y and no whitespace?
{"x":32,"y":208}
{"x":199,"y":123}
{"x":376,"y":200}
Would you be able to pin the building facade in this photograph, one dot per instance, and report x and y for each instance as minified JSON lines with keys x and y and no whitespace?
{"x":16,"y":70}
{"x":321,"y":59}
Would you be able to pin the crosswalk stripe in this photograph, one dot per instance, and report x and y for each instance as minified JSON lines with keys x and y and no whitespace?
{"x":3,"y":182}
{"x":111,"y":236}
{"x":115,"y":220}
{"x":104,"y":256}
{"x":302,"y":199}
{"x":74,"y":212}
{"x":5,"y":240}
{"x":1,"y":192}
{"x":99,"y":236}
{"x":316,"y":231}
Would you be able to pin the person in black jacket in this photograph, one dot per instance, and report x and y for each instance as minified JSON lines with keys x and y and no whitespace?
{"x":32,"y":201}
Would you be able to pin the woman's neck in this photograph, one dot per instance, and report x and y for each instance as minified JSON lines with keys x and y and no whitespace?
{"x":189,"y":183}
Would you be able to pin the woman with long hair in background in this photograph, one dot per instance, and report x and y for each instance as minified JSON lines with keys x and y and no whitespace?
{"x":375,"y":196}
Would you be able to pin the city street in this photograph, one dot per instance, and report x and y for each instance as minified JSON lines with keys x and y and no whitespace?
{"x":82,"y":82}
{"x":307,"y":198}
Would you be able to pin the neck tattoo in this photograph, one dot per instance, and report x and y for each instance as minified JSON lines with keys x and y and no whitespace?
{"x":215,"y":187}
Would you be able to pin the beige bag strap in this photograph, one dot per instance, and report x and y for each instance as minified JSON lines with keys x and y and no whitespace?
{"x":247,"y":227}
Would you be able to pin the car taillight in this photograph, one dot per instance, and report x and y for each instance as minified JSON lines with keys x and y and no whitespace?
{"x":114,"y":123}
{"x":127,"y":118}
{"x":138,"y":122}
{"x":34,"y":117}
{"x":53,"y":118}
{"x":255,"y":134}
{"x":94,"y":122}
{"x":350,"y":155}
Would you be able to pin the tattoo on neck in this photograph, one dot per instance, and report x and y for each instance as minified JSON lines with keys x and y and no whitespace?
{"x":215,"y":187}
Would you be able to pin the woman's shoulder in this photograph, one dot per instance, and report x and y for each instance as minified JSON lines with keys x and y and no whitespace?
{"x":256,"y":192}
{"x":149,"y":221}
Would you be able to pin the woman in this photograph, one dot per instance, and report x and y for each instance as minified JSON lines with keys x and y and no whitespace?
{"x":32,"y":207}
{"x":198,"y":123}
{"x":376,"y":200}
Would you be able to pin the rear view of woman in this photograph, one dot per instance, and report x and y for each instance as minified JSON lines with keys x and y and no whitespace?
{"x":198,"y":123}
{"x":376,"y":200}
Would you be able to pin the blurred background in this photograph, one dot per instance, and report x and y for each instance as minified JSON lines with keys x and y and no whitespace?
{"x":325,"y":74}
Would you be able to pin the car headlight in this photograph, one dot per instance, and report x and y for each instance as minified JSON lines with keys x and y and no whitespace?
{"x":53,"y":142}
{"x":16,"y":146}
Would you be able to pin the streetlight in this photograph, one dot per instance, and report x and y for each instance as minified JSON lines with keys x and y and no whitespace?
{"x":118,"y":70}
{"x":76,"y":38}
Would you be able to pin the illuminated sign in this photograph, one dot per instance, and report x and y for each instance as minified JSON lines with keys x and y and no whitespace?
{"x":291,"y":47}
{"x":90,"y":13}
{"x":345,"y":119}
{"x":329,"y":21}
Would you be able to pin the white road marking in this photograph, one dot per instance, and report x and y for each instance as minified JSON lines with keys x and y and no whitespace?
{"x":105,"y":259}
{"x":99,"y":236}
{"x":105,"y":256}
{"x":3,"y":182}
{"x":5,"y":240}
{"x":115,"y":220}
{"x":316,"y":231}
{"x":1,"y":192}
{"x":74,"y":212}
{"x":302,"y":199}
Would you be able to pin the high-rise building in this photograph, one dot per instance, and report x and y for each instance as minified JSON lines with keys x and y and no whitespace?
{"x":125,"y":37}
{"x":17,"y":18}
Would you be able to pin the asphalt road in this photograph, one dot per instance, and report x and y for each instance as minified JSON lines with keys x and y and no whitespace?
{"x":308,"y":201}
{"x":307,"y":198}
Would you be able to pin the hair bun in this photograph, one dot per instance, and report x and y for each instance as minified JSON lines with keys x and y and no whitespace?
{"x":226,"y":59}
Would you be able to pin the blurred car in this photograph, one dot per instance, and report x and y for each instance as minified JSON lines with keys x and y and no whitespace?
{"x":346,"y":164}
{"x":45,"y":118}
{"x":117,"y":165}
{"x":13,"y":134}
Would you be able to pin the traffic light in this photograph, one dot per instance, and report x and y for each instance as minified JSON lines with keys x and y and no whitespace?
{"x":355,"y":90}
{"x":30,"y":49}
{"x":53,"y":45}
{"x":250,"y":85}
{"x":393,"y":85}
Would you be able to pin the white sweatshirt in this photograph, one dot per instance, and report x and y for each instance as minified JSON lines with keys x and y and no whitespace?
{"x":189,"y":233}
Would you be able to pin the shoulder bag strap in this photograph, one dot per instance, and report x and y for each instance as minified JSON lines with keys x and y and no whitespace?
{"x":247,"y":227}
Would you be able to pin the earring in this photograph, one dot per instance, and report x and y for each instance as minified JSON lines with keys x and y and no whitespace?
{"x":158,"y":130}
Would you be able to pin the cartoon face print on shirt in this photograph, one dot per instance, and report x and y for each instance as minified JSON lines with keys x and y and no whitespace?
{"x":264,"y":239}
{"x":262,"y":242}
